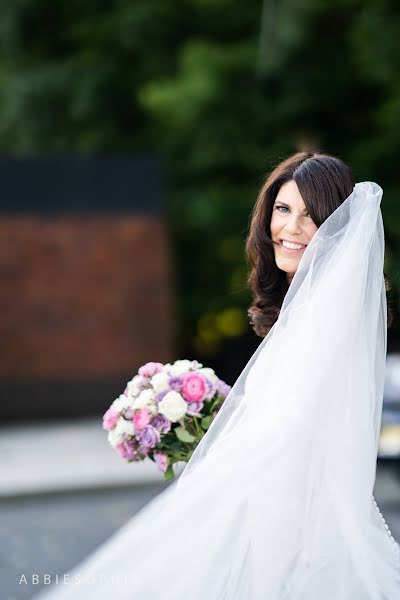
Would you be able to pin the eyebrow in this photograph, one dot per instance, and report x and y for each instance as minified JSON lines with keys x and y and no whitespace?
{"x":287,"y":205}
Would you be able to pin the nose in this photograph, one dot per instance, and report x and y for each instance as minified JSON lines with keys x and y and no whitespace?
{"x":292,"y":224}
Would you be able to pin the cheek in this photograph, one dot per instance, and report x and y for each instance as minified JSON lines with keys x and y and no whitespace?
{"x":311,"y":230}
{"x":275,"y":226}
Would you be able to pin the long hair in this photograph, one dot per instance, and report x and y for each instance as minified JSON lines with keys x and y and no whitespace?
{"x":324,"y":183}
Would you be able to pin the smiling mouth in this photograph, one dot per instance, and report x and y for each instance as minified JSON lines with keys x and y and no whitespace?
{"x":292,"y":246}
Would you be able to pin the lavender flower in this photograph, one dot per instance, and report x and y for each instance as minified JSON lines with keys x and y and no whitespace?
{"x":194,"y":408}
{"x":161,"y":395}
{"x":129,"y":413}
{"x":143,"y":449}
{"x":223,"y":388}
{"x":176,"y":383}
{"x":162,"y":423}
{"x":211,"y":388}
{"x":149,"y":436}
{"x":127,"y":451}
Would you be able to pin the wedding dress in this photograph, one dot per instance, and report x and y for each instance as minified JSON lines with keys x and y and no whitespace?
{"x":277,"y":502}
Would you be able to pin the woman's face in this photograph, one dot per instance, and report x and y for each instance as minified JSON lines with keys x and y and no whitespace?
{"x":291,"y":228}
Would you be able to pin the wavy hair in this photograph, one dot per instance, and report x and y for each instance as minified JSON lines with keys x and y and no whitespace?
{"x":324,"y":182}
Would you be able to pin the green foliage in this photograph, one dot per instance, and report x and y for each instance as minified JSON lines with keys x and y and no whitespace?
{"x":183,"y":435}
{"x":206,"y":422}
{"x":223,"y":91}
{"x":169,"y":473}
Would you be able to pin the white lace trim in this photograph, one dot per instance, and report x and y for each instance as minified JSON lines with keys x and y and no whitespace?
{"x":397,"y":547}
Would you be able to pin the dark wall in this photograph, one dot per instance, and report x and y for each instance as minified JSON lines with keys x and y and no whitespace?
{"x":85,"y":283}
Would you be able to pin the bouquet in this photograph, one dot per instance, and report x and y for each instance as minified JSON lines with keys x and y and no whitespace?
{"x":164,"y":412}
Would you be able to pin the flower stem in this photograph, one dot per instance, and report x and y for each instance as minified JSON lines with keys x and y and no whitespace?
{"x":216,"y":401}
{"x":198,"y":430}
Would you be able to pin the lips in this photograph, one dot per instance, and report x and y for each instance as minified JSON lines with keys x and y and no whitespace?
{"x":291,"y":247}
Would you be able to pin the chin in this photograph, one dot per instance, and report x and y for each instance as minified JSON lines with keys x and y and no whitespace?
{"x":289,"y":269}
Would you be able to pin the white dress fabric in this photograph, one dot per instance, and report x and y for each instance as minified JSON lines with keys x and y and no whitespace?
{"x":277,"y":502}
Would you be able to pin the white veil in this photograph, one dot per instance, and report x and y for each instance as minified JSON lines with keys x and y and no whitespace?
{"x":277,"y":500}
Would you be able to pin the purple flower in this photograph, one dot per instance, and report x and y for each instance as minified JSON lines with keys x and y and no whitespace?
{"x":194,"y":408}
{"x":162,"y":423}
{"x":127,"y":451}
{"x":161,"y":395}
{"x":149,"y":436}
{"x":223,"y":388}
{"x":176,"y":383}
{"x":129,"y":412}
{"x":144,"y":383}
{"x":143,"y":449}
{"x":211,"y":389}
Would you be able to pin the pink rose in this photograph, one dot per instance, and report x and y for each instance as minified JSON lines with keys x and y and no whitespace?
{"x":150,"y":369}
{"x":127,"y":451}
{"x":142,"y":418}
{"x":161,"y":460}
{"x":110,"y":418}
{"x":194,"y":387}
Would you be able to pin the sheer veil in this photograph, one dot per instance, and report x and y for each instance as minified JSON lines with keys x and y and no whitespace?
{"x":277,"y":500}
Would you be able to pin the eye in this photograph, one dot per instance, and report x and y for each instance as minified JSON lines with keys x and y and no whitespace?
{"x":281,"y":208}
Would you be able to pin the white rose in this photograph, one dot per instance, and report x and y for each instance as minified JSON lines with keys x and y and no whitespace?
{"x":209,"y":373}
{"x":172,"y":406}
{"x":134,"y":385}
{"x":145,"y":398}
{"x":179,"y":367}
{"x":196,"y":365}
{"x":121,"y":403}
{"x":116,"y":435}
{"x":124,"y":427}
{"x":114,"y":439}
{"x":153,"y":408}
{"x":160,"y":382}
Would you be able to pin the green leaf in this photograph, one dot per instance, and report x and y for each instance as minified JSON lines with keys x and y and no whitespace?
{"x":183,"y":435}
{"x":206,"y":422}
{"x":174,"y":446}
{"x":169,"y":473}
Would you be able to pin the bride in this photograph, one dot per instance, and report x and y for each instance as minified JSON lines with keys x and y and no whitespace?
{"x":277,"y":502}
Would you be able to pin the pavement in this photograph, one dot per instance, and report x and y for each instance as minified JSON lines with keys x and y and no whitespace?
{"x":70,"y":455}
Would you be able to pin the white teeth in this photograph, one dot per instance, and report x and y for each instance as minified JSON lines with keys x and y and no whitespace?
{"x":292,"y":246}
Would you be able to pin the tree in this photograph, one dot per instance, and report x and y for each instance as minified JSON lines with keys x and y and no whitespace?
{"x":223,"y":91}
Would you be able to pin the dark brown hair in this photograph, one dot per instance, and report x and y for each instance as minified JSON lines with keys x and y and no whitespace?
{"x":324,"y":183}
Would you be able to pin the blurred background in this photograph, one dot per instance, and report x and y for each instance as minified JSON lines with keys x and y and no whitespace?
{"x":134,"y":137}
